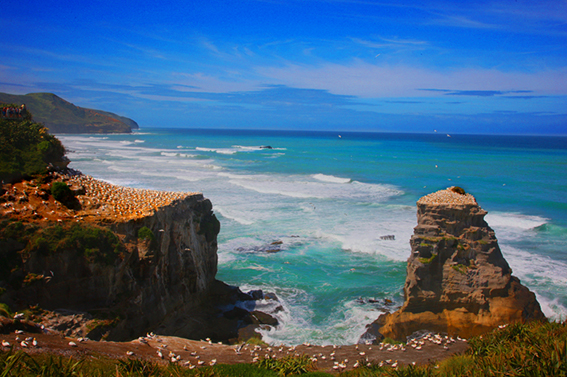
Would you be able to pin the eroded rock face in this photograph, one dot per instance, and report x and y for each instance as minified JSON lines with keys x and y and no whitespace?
{"x":163,"y":283}
{"x":457,"y":280}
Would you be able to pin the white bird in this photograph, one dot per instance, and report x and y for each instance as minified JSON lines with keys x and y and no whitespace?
{"x":19,"y":316}
{"x":34,"y":342}
{"x":213,"y":362}
{"x":200,"y":362}
{"x":18,"y":331}
{"x":160,"y":355}
{"x":23,"y":344}
{"x":129,"y":353}
{"x":73,"y":344}
{"x":5,"y":343}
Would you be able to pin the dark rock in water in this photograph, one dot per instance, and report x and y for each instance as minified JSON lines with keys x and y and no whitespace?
{"x":264,"y":318}
{"x":277,"y":243}
{"x":457,"y":280}
{"x":256,"y":294}
{"x":371,"y":335}
{"x":389,"y":237}
{"x":270,"y":296}
{"x":271,"y":251}
{"x":266,"y":147}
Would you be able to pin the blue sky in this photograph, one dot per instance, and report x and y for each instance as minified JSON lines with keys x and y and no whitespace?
{"x":360,"y":65}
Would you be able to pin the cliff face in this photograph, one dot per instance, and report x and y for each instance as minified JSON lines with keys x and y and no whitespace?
{"x":92,"y":259}
{"x":457,"y":280}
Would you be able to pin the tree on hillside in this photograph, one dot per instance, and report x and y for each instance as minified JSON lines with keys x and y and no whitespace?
{"x":27,"y":149}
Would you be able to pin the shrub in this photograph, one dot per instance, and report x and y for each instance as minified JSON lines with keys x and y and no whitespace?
{"x":458,"y":190}
{"x":27,"y":149}
{"x":94,"y":243}
{"x":145,"y":233}
{"x":428,"y":260}
{"x":5,"y":310}
{"x":61,"y":192}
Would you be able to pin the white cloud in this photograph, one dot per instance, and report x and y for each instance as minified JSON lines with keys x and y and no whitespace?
{"x":368,"y":80}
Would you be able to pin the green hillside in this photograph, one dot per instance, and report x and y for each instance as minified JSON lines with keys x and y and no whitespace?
{"x":27,"y":149}
{"x":60,"y":116}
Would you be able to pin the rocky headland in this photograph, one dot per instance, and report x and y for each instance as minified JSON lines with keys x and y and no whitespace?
{"x":61,"y":116}
{"x":113,"y":262}
{"x":458,"y":281}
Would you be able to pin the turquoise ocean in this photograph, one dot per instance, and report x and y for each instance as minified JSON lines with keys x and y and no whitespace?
{"x":326,"y":199}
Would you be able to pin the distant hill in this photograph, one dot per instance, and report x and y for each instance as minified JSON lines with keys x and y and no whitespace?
{"x":61,"y":116}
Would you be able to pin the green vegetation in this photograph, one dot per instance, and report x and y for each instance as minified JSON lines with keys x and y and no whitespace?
{"x":427,"y":260}
{"x":24,"y":365}
{"x":95,"y":244}
{"x":26,"y":149}
{"x":5,"y":310}
{"x":61,"y":116}
{"x":61,"y":192}
{"x":145,"y":233}
{"x":288,"y":365}
{"x":460,"y":268}
{"x":391,"y":341}
{"x":533,"y":349}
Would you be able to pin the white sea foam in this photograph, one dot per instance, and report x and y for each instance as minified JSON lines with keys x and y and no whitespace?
{"x":296,"y":186}
{"x":226,"y":214}
{"x":139,"y":141}
{"x":552,"y":309}
{"x":534,"y":268}
{"x":217,"y":150}
{"x":331,"y":178}
{"x":247,"y":148}
{"x":514,"y":220}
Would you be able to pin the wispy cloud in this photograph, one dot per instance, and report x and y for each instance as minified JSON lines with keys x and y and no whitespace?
{"x":369,"y":80}
{"x":480,"y":93}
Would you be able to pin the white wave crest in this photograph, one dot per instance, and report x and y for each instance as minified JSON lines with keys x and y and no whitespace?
{"x":514,"y":220}
{"x":331,"y":178}
{"x":217,"y":150}
{"x":226,"y":214}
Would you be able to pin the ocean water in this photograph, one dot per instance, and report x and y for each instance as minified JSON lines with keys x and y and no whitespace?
{"x":325,"y":201}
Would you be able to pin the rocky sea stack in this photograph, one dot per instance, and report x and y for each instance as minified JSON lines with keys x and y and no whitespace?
{"x":457,"y":280}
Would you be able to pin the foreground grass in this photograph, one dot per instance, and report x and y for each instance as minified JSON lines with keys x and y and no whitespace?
{"x":534,"y":349}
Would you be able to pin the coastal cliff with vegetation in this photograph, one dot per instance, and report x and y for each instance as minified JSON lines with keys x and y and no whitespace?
{"x":133,"y":260}
{"x":82,"y":260}
{"x":128,"y":260}
{"x":61,"y":116}
{"x":458,"y":281}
